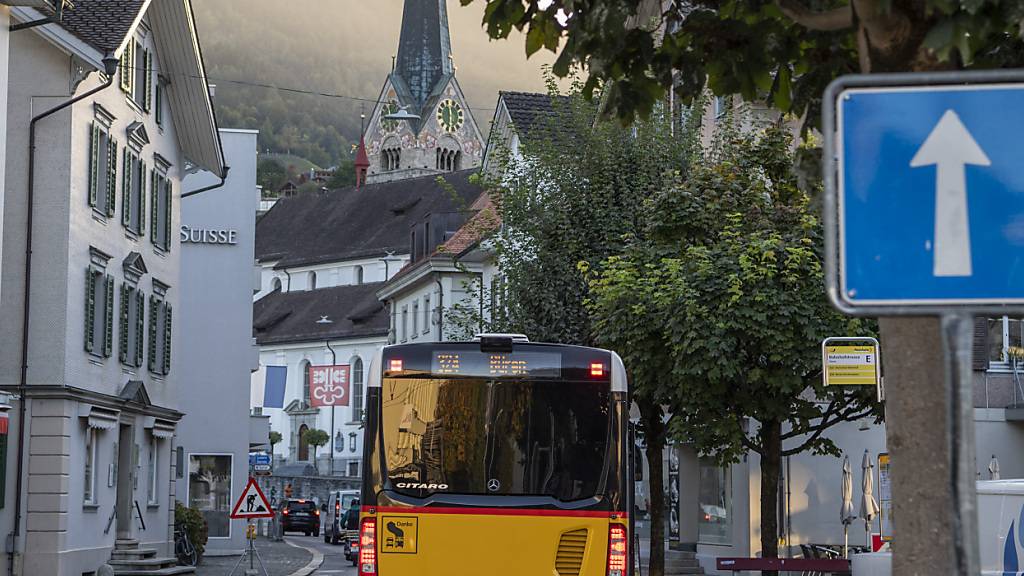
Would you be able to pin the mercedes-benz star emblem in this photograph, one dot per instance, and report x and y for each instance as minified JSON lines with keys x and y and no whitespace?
{"x":493,"y":485}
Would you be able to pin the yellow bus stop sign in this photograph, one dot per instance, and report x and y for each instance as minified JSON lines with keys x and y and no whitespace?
{"x":851,"y":365}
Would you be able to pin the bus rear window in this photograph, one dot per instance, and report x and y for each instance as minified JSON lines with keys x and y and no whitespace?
{"x":507,"y":437}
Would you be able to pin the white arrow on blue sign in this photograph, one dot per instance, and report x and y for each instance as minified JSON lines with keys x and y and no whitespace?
{"x":931,"y":195}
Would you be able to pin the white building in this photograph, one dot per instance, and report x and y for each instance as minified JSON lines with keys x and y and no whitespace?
{"x":323,"y":258}
{"x":216,"y":360}
{"x":98,"y":406}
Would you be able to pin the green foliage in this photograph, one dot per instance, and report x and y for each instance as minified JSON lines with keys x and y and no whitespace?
{"x":315,"y":438}
{"x":271,"y":175}
{"x":195,"y":525}
{"x":344,"y":176}
{"x":782,"y":52}
{"x":275,"y":438}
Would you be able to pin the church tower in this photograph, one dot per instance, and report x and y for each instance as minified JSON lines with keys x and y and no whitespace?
{"x":445,"y":138}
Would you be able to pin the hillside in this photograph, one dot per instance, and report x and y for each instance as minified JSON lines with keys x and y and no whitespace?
{"x":340,"y":47}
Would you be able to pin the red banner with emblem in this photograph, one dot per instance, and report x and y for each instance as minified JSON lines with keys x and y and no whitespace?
{"x":328,"y":385}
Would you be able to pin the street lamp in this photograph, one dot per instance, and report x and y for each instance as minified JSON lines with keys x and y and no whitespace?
{"x":402,"y":114}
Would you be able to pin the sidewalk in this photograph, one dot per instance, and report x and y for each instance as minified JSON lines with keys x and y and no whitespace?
{"x":280,"y":559}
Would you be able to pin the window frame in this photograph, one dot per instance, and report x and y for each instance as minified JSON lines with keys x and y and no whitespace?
{"x":133,"y":193}
{"x":426,"y":314}
{"x":358,"y":379}
{"x":99,"y":284}
{"x":160,"y":212}
{"x":1003,"y":364}
{"x":102,"y":183}
{"x":152,"y":490}
{"x":160,"y":334}
{"x":415,"y":318}
{"x":306,"y":367}
{"x":89,"y":467}
{"x":405,"y":323}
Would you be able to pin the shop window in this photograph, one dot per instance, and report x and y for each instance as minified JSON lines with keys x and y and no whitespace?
{"x":209,"y":490}
{"x":714,"y":521}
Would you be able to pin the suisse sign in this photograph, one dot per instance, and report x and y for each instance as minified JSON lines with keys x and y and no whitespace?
{"x":192,"y":235}
{"x":930,"y":195}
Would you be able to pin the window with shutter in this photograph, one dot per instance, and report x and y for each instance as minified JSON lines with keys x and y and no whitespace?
{"x":147,"y":100}
{"x":140,"y":82}
{"x":140,"y":322}
{"x":154,"y":195}
{"x":127,"y":67}
{"x":167,"y":340}
{"x":139,"y":198}
{"x":108,"y":337}
{"x":167,"y":215}
{"x":111,"y":190}
{"x":158,"y":93}
{"x":126,"y":190}
{"x":154,"y":303}
{"x":123,"y":342}
{"x":90,"y":309}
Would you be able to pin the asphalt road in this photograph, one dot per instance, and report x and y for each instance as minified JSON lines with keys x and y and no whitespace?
{"x":334,"y":556}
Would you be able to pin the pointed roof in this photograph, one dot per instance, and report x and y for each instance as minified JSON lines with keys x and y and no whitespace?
{"x":362,"y":160}
{"x":424,"y":49}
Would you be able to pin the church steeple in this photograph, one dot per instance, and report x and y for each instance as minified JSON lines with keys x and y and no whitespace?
{"x":424,"y":48}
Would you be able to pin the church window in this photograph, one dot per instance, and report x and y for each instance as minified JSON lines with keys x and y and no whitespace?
{"x":275,"y":284}
{"x":390,"y":159}
{"x":312,"y":280}
{"x":359,"y":275}
{"x":448,"y":160}
{"x":305,"y":383}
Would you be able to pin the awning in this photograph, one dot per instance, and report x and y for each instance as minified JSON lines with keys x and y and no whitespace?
{"x":159,"y":427}
{"x":98,"y":417}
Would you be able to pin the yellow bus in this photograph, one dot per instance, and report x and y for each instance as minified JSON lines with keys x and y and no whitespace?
{"x":496,"y":457}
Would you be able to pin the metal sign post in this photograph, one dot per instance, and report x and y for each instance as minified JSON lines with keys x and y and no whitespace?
{"x":924,"y":216}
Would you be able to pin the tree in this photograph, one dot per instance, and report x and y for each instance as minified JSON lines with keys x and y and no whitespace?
{"x":719,"y":305}
{"x":567,"y":204}
{"x":784,"y":51}
{"x":271,"y":175}
{"x":275,"y":438}
{"x":315,"y":438}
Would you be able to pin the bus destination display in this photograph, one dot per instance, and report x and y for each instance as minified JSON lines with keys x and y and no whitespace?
{"x":497,"y":364}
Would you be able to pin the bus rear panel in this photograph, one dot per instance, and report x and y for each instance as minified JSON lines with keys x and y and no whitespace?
{"x":496,"y":458}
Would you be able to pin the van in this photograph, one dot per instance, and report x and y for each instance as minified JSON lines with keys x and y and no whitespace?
{"x":338,"y":503}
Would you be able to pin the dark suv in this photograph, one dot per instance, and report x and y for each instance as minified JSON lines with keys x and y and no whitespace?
{"x":300,"y":516}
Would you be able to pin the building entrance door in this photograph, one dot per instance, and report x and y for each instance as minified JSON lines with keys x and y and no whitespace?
{"x":125,"y":481}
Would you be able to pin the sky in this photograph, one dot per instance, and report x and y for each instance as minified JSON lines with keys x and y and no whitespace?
{"x":346,"y":46}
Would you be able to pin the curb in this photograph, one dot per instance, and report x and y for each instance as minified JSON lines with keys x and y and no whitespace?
{"x":318,"y":559}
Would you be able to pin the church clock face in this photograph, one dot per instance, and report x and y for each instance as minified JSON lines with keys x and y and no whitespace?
{"x":450,"y":115}
{"x":385,"y":124}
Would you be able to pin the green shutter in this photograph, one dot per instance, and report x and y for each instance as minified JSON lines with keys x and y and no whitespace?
{"x":126,"y":68}
{"x":111,"y":176}
{"x":142,"y":198}
{"x":153,"y":304}
{"x":148,"y":79}
{"x":94,"y":164}
{"x":90,"y":309}
{"x":140,"y":323}
{"x":167,"y":340}
{"x":154,"y":214}
{"x":126,"y":190}
{"x":167,"y":214}
{"x":108,"y":342}
{"x":122,"y":349}
{"x":159,"y":114}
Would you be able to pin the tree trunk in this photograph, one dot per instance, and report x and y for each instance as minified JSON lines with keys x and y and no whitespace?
{"x":770,"y":435}
{"x":654,"y":440}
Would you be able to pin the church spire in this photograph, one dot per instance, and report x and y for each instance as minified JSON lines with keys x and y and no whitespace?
{"x":424,"y":49}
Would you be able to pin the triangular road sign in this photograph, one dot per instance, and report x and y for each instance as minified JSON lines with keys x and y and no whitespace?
{"x":252,"y":503}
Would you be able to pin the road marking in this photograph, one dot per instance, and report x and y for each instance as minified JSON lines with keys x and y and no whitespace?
{"x":318,"y":559}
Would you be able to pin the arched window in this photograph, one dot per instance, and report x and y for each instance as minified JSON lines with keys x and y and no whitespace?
{"x":303,"y":445}
{"x":275,"y":284}
{"x":359,"y":274}
{"x":357,"y":389}
{"x":305,"y":382}
{"x":312,"y":280}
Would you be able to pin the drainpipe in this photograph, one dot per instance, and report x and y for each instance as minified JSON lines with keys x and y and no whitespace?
{"x":110,"y":65}
{"x":285,"y":270}
{"x":334,"y":362}
{"x":440,"y":308}
{"x":223,"y":178}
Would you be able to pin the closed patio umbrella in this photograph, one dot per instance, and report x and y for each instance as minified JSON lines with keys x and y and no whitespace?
{"x":993,"y":468}
{"x":868,"y":504}
{"x":846,"y":513}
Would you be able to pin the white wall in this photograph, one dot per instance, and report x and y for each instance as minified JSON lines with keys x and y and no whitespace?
{"x":328,"y":275}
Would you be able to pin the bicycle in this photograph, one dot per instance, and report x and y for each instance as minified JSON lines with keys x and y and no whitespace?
{"x":184,"y":551}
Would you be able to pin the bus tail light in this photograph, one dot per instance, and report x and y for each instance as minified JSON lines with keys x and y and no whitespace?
{"x":368,"y":547}
{"x":618,"y":557}
{"x":396,"y":365}
{"x":596,"y":369}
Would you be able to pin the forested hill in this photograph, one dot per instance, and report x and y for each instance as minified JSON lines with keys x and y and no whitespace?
{"x":336,"y":47}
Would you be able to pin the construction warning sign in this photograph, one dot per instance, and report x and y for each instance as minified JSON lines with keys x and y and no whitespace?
{"x":252,"y":503}
{"x":848,"y":365}
{"x":399,"y":534}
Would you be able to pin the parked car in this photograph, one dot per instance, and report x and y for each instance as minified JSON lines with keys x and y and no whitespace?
{"x":300,"y":516}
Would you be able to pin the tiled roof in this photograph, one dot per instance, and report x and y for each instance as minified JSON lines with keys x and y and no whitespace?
{"x":325,"y":313}
{"x":102,"y":24}
{"x":537,"y":115}
{"x":364,"y":222}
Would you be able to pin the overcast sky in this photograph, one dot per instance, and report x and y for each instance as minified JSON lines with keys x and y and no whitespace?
{"x":356,"y":39}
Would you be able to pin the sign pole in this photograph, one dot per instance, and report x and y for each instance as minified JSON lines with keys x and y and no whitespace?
{"x":957,"y":337}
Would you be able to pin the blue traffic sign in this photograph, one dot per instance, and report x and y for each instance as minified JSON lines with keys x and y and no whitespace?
{"x":931,"y":195}
{"x":259,"y":459}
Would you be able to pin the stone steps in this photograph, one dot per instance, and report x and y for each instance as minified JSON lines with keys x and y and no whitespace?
{"x":127,"y":559}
